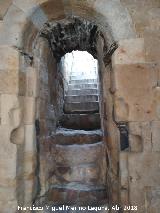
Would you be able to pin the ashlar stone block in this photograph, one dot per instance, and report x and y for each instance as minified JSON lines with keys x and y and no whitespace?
{"x":152,"y":43}
{"x":9,"y":69}
{"x":155,"y":129}
{"x":14,"y":23}
{"x":130,"y":51}
{"x":142,"y":169}
{"x":8,"y":158}
{"x":124,"y":188}
{"x":152,"y":195}
{"x":10,"y":110}
{"x":33,"y":11}
{"x":28,"y":104}
{"x":140,"y":137}
{"x":32,"y":82}
{"x":4,"y":5}
{"x":30,"y":152}
{"x":134,"y":96}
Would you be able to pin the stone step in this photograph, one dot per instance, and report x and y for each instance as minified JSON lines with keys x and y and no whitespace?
{"x":81,"y":107}
{"x":81,"y":98}
{"x":76,"y":165}
{"x":73,"y":155}
{"x":78,"y":194}
{"x":82,"y":92}
{"x":82,"y":86}
{"x":71,"y":137}
{"x":81,"y":77}
{"x":83,"y":81}
{"x":81,"y":121}
{"x":91,"y":174}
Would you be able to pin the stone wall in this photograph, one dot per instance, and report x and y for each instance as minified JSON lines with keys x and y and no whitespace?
{"x":130,"y":94}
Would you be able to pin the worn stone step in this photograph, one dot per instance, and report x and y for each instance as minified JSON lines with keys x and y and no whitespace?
{"x":81,"y":107}
{"x":70,"y":137}
{"x":72,"y":155}
{"x":83,"y":86}
{"x":81,"y":121}
{"x":84,"y":81}
{"x":75,"y":76}
{"x":82,"y":92}
{"x":91,"y":174}
{"x":81,"y":98}
{"x":78,"y":194}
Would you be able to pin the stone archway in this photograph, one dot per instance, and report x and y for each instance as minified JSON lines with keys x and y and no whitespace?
{"x":23,"y":133}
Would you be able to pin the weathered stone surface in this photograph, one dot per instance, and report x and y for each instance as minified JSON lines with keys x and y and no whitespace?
{"x":69,"y":195}
{"x":152,"y":43}
{"x":135,"y":137}
{"x":78,"y":154}
{"x":13,"y":26}
{"x":84,"y":33}
{"x":32,"y":82}
{"x":30,"y":149}
{"x":155,"y":129}
{"x":25,"y":5}
{"x":152,"y":195}
{"x":81,"y":107}
{"x":81,"y":121}
{"x":142,"y":166}
{"x":8,"y":154}
{"x":130,"y":51}
{"x":140,"y":137}
{"x":116,"y":19}
{"x":90,"y":174}
{"x":7,"y":206}
{"x":134,"y":96}
{"x":9,"y":69}
{"x":154,"y":17}
{"x":47,"y":8}
{"x":10,"y":110}
{"x":4,"y":5}
{"x":30,"y":139}
{"x":29,"y":109}
{"x":124,"y":188}
{"x":72,"y":137}
{"x":17,"y":135}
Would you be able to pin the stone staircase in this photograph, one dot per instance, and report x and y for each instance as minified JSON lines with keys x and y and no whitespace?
{"x":81,"y":104}
{"x":79,"y":177}
{"x":81,"y":96}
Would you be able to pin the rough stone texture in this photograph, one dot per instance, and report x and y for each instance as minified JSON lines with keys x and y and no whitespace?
{"x":76,"y":28}
{"x":4,"y":5}
{"x":76,"y":154}
{"x":13,"y":25}
{"x":78,"y":197}
{"x":140,"y":81}
{"x":155,"y":127}
{"x":9,"y":80}
{"x":141,"y":175}
{"x":70,"y":136}
{"x":124,"y":185}
{"x":152,"y":199}
{"x":130,"y":51}
{"x":82,"y":32}
{"x":81,"y":121}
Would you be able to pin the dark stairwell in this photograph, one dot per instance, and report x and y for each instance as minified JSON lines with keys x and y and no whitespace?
{"x":80,"y":176}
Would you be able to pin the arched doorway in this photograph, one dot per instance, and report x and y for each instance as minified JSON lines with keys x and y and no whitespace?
{"x":60,"y":181}
{"x":38,"y":61}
